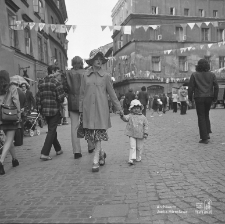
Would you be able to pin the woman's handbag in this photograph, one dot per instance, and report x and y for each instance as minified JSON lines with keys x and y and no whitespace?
{"x":80,"y":130}
{"x":8,"y":113}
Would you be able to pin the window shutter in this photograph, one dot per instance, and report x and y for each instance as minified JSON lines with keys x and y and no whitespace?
{"x":174,"y":11}
{"x":157,"y":10}
{"x":203,"y":13}
{"x":35,"y":5}
{"x":223,"y":33}
{"x":186,"y":65}
{"x":159,"y":65}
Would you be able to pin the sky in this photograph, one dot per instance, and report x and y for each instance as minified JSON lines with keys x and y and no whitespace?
{"x":88,"y":15}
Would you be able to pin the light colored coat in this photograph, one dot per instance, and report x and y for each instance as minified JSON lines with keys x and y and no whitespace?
{"x":93,"y":99}
{"x":137,"y":125}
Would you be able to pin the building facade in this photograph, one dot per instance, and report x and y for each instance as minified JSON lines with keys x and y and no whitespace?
{"x":26,"y":49}
{"x":140,"y":57}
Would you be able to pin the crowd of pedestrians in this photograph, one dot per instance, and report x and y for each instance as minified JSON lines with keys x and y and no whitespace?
{"x":88,"y":93}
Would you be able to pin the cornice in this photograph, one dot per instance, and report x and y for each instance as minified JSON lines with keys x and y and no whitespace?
{"x":26,"y":18}
{"x":12,"y":5}
{"x":25,"y":3}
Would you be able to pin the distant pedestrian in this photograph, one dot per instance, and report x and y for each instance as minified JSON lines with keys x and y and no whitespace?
{"x":175,"y":100}
{"x":143,"y":98}
{"x":136,"y":130}
{"x":183,"y":99}
{"x":129,"y":96}
{"x":8,"y":96}
{"x":95,"y":84}
{"x":164,"y":103}
{"x":203,"y":84}
{"x":49,"y":99}
{"x":155,"y":105}
{"x":31,"y":105}
{"x":121,"y":101}
{"x":72,"y":88}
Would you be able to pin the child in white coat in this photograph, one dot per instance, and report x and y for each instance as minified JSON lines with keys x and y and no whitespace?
{"x":136,"y":129}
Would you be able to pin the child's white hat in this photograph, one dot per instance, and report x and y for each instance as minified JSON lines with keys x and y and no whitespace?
{"x":135,"y":103}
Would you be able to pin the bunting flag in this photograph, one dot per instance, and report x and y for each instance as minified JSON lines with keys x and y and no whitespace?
{"x":25,"y":24}
{"x":199,"y":25}
{"x":103,"y":27}
{"x":31,"y":25}
{"x":74,"y":27}
{"x":117,"y":27}
{"x":53,"y":27}
{"x":68,"y":27}
{"x":191,"y":25}
{"x":215,"y":24}
{"x":154,"y":27}
{"x":169,"y":51}
{"x":127,"y":29}
{"x":201,"y":46}
{"x":207,"y":23}
{"x":210,"y":45}
{"x":189,"y":48}
{"x":110,"y":28}
{"x":145,"y":28}
{"x":41,"y":26}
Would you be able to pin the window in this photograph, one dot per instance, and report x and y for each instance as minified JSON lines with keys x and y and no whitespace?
{"x":28,"y":45}
{"x":120,"y":42}
{"x":205,"y":34}
{"x":52,"y":20}
{"x":201,"y":13}
{"x":208,"y":58}
{"x":60,"y":59}
{"x":179,"y":34}
{"x":156,"y":64}
{"x":12,"y":32}
{"x":39,"y":8}
{"x":40,"y":49}
{"x":215,"y":13}
{"x":183,"y":64}
{"x":46,"y":51}
{"x":220,"y":35}
{"x":155,"y":10}
{"x":172,"y":11}
{"x":221,"y":61}
{"x":57,"y":3}
{"x":186,"y":12}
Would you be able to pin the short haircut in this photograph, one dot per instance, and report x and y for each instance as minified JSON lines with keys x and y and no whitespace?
{"x":143,"y":88}
{"x":52,"y":68}
{"x":202,"y":66}
{"x":77,"y":60}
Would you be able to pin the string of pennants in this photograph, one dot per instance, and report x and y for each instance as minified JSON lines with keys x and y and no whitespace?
{"x":62,"y":28}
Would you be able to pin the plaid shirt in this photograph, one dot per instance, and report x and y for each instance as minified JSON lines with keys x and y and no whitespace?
{"x":50,"y":95}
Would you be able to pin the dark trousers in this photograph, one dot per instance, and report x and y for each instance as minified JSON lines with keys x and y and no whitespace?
{"x":175,"y":107}
{"x":51,"y":138}
{"x":183,"y":108}
{"x":144,"y":110}
{"x":203,"y":105}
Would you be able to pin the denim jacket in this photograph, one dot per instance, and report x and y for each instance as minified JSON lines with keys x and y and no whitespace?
{"x":137,"y":125}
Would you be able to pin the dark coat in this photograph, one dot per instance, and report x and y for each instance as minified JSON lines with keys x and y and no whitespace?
{"x":22,"y":98}
{"x":129,"y":97}
{"x":30,"y":100}
{"x":73,"y":78}
{"x":143,"y":97}
{"x":203,"y":84}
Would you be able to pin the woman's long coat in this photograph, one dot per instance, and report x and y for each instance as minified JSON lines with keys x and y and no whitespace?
{"x":93,"y":99}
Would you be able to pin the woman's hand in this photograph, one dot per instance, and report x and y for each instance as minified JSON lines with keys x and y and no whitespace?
{"x":121,"y":113}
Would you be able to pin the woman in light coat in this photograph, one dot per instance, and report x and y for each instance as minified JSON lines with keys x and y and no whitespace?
{"x":8,"y":96}
{"x":95,"y":86}
{"x":72,"y":88}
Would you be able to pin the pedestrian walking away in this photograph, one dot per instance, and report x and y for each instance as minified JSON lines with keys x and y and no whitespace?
{"x":72,"y":88}
{"x":95,"y":85}
{"x":175,"y":100}
{"x":8,"y":96}
{"x":143,"y":98}
{"x":164,"y":103}
{"x":129,"y":96}
{"x":203,"y":84}
{"x":155,"y":105}
{"x":136,"y":129}
{"x":50,"y":96}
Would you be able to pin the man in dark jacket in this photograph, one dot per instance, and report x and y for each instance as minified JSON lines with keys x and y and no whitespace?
{"x":164,"y":101}
{"x":29,"y":96}
{"x":128,"y":98}
{"x":204,"y":86}
{"x":143,"y":98}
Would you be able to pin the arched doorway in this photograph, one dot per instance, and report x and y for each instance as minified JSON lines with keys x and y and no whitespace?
{"x":155,"y":90}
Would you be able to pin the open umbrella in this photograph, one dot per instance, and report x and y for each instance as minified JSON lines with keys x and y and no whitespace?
{"x":18,"y":79}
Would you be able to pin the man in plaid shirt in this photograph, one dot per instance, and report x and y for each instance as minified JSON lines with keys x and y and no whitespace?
{"x":49,"y":98}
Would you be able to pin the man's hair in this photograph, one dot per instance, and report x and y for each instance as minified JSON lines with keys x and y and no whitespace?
{"x":78,"y":60}
{"x":52,"y":68}
{"x":202,"y":66}
{"x":143,"y":88}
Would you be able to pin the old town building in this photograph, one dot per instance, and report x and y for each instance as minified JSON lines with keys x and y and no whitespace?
{"x":164,"y":55}
{"x":25,"y":48}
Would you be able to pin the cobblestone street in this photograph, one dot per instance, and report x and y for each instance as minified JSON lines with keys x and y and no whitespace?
{"x":176,"y":172}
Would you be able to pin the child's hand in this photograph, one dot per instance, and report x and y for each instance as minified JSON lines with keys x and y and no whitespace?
{"x":145,"y":135}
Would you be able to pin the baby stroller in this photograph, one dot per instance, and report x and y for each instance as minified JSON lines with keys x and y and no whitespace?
{"x":30,"y":124}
